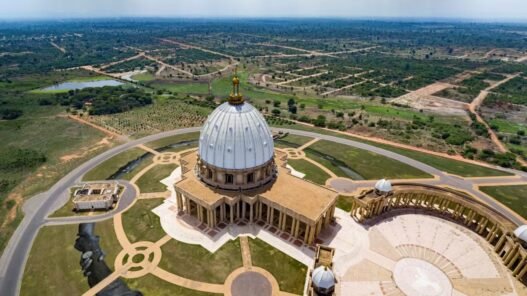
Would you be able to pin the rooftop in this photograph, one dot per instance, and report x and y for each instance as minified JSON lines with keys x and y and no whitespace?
{"x":288,"y":192}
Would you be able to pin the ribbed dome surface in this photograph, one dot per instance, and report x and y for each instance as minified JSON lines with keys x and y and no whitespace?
{"x":323,"y":277}
{"x":521,"y":232}
{"x":383,"y":185}
{"x":236,"y":137}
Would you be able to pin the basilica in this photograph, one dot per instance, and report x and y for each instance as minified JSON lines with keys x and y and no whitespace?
{"x":237,"y":177}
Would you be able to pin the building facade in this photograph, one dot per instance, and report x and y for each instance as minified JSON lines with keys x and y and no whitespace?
{"x":236,"y":176}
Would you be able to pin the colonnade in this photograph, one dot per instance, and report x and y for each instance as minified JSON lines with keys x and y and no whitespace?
{"x":482,"y":219}
{"x":255,"y":210}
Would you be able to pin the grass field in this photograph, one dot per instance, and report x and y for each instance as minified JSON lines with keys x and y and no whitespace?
{"x":514,"y":197}
{"x":152,"y":285}
{"x":55,"y":270}
{"x":368,"y":165}
{"x":450,"y":166}
{"x":313,"y":173}
{"x":183,"y":88}
{"x":173,"y":140}
{"x":344,"y":203}
{"x":291,"y":141}
{"x":140,"y":224}
{"x":447,"y":165}
{"x":196,"y":263}
{"x":289,"y":273}
{"x":40,"y":133}
{"x":150,"y":181}
{"x":106,"y":169}
{"x":505,"y":126}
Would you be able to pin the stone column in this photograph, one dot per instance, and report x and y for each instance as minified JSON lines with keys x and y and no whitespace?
{"x":231,"y":212}
{"x":251,"y":213}
{"x":179,"y":201}
{"x":306,"y":234}
{"x":271,"y":217}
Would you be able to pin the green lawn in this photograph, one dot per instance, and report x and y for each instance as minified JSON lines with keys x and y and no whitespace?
{"x":450,"y":166}
{"x":150,"y":181}
{"x":140,"y":224}
{"x":291,"y":141}
{"x":196,"y":263}
{"x":341,"y":158}
{"x":152,"y":285}
{"x":505,"y":126}
{"x":290,"y":274}
{"x":40,"y":133}
{"x":106,"y":169}
{"x":445,"y":164}
{"x":185,"y":88}
{"x":345,"y":203}
{"x":313,"y":173}
{"x":173,"y":140}
{"x":55,"y":270}
{"x":514,"y":197}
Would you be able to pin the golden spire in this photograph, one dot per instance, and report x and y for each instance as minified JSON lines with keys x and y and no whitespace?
{"x":236,"y":97}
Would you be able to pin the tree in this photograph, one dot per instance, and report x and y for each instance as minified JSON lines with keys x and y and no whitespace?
{"x":276,"y":103}
{"x":276,"y":112}
{"x":291,"y":102}
{"x":320,"y":121}
{"x":10,"y":113}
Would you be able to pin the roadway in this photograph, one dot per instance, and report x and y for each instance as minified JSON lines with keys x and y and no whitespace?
{"x":38,"y":208}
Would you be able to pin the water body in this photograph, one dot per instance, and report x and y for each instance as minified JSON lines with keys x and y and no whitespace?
{"x":128,"y":167}
{"x":338,"y":163}
{"x":183,"y":144}
{"x":83,"y":84}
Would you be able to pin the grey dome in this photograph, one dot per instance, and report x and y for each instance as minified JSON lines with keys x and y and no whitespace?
{"x":323,"y":278}
{"x":383,"y":185}
{"x":521,"y":232}
{"x":236,"y":137}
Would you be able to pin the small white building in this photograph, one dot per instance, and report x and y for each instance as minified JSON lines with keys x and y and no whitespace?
{"x":96,"y":196}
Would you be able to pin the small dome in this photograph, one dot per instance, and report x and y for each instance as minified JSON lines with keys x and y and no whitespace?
{"x":236,"y":137}
{"x":521,"y":233}
{"x":323,"y":278}
{"x":383,"y":185}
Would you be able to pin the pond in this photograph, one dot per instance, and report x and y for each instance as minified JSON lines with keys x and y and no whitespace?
{"x":83,"y":84}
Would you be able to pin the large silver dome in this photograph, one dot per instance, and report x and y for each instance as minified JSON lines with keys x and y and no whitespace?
{"x":236,"y":136}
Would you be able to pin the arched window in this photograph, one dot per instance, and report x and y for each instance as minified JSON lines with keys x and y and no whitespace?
{"x":229,"y":179}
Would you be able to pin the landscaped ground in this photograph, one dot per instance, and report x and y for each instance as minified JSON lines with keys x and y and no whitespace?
{"x":291,"y":141}
{"x":173,"y":140}
{"x":340,"y":159}
{"x":152,"y":285}
{"x":290,"y":274}
{"x":140,"y":224}
{"x":450,"y":166}
{"x":109,"y":167}
{"x":55,"y":270}
{"x":344,"y":202}
{"x":196,"y":263}
{"x":150,"y":181}
{"x":514,"y":197}
{"x":313,"y":173}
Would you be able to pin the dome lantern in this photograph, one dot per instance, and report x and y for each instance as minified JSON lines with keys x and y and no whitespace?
{"x":383,"y":186}
{"x":235,"y":98}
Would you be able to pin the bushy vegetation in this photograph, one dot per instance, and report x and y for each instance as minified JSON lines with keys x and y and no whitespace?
{"x":105,"y":100}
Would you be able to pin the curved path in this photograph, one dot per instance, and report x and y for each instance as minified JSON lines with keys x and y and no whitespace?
{"x":39,"y":207}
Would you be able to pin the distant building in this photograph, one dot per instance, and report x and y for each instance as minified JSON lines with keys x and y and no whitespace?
{"x":96,"y":196}
{"x":236,"y":176}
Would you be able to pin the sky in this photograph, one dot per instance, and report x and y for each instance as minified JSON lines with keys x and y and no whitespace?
{"x":492,"y":10}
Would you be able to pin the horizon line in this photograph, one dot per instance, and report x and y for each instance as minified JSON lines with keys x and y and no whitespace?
{"x":203,"y":17}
